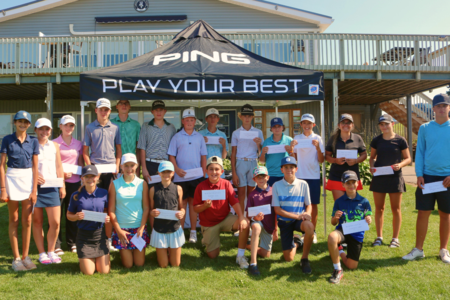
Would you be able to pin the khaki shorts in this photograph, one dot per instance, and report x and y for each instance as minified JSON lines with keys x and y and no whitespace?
{"x":265,"y":238}
{"x":211,"y":235}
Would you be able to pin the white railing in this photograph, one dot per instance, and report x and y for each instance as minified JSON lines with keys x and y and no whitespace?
{"x":326,"y":52}
{"x":422,"y":105}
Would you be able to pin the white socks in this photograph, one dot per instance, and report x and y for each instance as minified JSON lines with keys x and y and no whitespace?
{"x":51,"y":253}
{"x":252,"y":264}
{"x":241,"y":252}
{"x":337,"y":266}
{"x":341,"y":251}
{"x":194,"y":231}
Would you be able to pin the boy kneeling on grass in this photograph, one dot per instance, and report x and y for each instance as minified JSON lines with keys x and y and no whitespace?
{"x":215,"y":216}
{"x":263,"y":225}
{"x":348,"y":208}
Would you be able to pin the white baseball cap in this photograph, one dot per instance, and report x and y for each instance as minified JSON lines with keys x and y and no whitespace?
{"x":43,"y":122}
{"x":189,"y":113}
{"x":103,"y":102}
{"x":308,"y":117}
{"x":127,"y":157}
{"x":212,"y":111}
{"x":67,"y":119}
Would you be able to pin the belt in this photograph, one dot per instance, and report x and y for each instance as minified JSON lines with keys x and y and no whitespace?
{"x":155,"y":160}
{"x":247,"y":159}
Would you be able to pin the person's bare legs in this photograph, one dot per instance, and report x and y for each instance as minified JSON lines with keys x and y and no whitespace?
{"x":396,"y":207}
{"x":337,"y":194}
{"x":379,"y":199}
{"x":241,"y":197}
{"x":38,"y":232}
{"x":103,"y":264}
{"x":308,"y":228}
{"x":27,"y":208}
{"x":184,"y":204}
{"x":444,"y":229}
{"x":422,"y":227}
{"x":243,"y":235}
{"x":314,"y":214}
{"x":192,"y":214}
{"x":334,"y":240}
{"x":13,"y":207}
{"x":256,"y":231}
{"x":162,"y":257}
{"x":175,"y":257}
{"x":54,"y":219}
{"x":290,"y":253}
{"x":87,"y":265}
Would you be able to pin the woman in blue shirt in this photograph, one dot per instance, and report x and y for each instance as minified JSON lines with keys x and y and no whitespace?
{"x":19,"y":185}
{"x":93,"y":253}
{"x":128,"y":208}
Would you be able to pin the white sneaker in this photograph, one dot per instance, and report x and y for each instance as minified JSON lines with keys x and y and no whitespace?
{"x":193,"y":237}
{"x":236,"y":234}
{"x":110,"y":246}
{"x":17,"y":265}
{"x":415,"y":253}
{"x":315,"y":238}
{"x":242,"y":262}
{"x":445,"y":257}
{"x":250,"y":233}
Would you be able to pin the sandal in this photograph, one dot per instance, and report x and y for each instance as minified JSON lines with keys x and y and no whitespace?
{"x":377,"y":242}
{"x":394,"y":244}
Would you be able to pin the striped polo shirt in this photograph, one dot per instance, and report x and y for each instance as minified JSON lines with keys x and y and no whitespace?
{"x":154,"y":140}
{"x":290,"y":197}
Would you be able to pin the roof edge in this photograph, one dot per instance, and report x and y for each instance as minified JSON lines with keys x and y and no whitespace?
{"x":30,"y":8}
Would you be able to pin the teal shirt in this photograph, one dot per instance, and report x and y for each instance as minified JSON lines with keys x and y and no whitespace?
{"x":273,"y":161}
{"x":129,"y":202}
{"x":129,"y":133}
{"x":215,"y":150}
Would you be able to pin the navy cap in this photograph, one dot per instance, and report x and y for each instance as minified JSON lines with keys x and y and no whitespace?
{"x":22,"y":115}
{"x":346,"y":117}
{"x":385,"y":119}
{"x":276,"y":121}
{"x":89,"y":170}
{"x":289,"y":160}
{"x":349,"y":175}
{"x":441,"y":99}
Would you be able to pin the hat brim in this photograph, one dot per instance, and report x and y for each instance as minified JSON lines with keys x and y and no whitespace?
{"x":287,"y":164}
{"x":166,"y":169}
{"x":443,"y":102}
{"x":49,"y":126}
{"x":189,"y":117}
{"x":247,"y":114}
{"x":346,"y":119}
{"x":158,"y":106}
{"x":89,"y":173}
{"x":22,"y":118}
{"x":100,"y":106}
{"x":385,"y":121}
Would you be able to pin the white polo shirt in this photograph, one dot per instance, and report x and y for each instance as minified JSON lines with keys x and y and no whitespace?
{"x":246,"y":148}
{"x":307,"y":158}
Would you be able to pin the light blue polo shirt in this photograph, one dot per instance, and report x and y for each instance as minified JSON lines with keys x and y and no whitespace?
{"x":290,"y":197}
{"x":215,"y":150}
{"x":273,"y":161}
{"x":187,"y":150}
{"x":245,"y":148}
{"x":129,"y":202}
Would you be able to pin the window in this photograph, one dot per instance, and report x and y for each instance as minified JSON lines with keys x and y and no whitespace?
{"x":87,"y":120}
{"x":34,"y":118}
{"x":172,"y":116}
{"x":5,"y":125}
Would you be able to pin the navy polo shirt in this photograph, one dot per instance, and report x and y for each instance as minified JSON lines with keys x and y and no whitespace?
{"x":353,"y":210}
{"x":20,"y":155}
{"x":97,"y":201}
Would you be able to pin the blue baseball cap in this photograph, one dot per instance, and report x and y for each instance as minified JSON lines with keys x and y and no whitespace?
{"x":22,"y":115}
{"x":165,"y":166}
{"x":289,"y":160}
{"x":441,"y":99}
{"x":276,"y":121}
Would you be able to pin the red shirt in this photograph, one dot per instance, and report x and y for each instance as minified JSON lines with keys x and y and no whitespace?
{"x":219,"y":209}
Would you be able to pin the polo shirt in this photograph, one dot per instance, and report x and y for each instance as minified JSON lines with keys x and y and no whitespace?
{"x":215,"y":150}
{"x":70,"y":154}
{"x":219,"y":209}
{"x":273,"y":161}
{"x":129,"y":202}
{"x":290,"y":197}
{"x":433,"y":143}
{"x":20,"y":155}
{"x":307,"y":158}
{"x":389,"y":152}
{"x":246,"y":148}
{"x":260,"y":197}
{"x":187,"y":150}
{"x":103,"y":141}
{"x":129,"y":133}
{"x":355,"y":142}
{"x":354,"y":210}
{"x":154,"y":140}
{"x":97,"y":202}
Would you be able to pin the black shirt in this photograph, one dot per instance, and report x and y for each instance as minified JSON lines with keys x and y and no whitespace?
{"x":166,"y":198}
{"x":355,"y":142}
{"x":389,"y":152}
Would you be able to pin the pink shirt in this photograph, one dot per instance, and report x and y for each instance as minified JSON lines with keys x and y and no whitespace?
{"x":70,"y":154}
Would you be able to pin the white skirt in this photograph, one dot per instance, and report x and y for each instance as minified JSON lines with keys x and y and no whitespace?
{"x":167,"y":240}
{"x":19,"y":183}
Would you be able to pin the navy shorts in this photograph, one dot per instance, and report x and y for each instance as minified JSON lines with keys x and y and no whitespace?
{"x":273,"y":179}
{"x":188,"y":187}
{"x":287,"y":229}
{"x":428,"y":201}
{"x":314,"y":190}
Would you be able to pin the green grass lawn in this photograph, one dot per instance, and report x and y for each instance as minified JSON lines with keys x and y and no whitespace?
{"x":381,"y":273}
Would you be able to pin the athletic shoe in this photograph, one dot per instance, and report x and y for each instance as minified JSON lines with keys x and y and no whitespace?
{"x":73,"y":249}
{"x":17,"y":265}
{"x":336,"y":276}
{"x":236,"y":234}
{"x":415,"y":253}
{"x":298,"y":240}
{"x":55,"y":258}
{"x":306,"y":268}
{"x":59,"y":252}
{"x":253,"y":270}
{"x":445,"y":257}
{"x":44,"y":259}
{"x":28,"y":263}
{"x":344,"y":245}
{"x":242,"y":261}
{"x":193,"y":237}
{"x":110,"y":246}
{"x":315,"y":238}
{"x":250,"y":233}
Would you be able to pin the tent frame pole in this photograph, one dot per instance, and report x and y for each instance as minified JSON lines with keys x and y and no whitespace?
{"x":83,"y":104}
{"x":324,"y":170}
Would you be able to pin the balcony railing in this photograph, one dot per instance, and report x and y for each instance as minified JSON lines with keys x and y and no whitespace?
{"x":325,"y":52}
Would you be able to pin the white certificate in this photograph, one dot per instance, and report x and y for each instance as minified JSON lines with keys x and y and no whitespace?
{"x":276,"y":149}
{"x":167,"y":214}
{"x":74,"y":169}
{"x":197,"y":172}
{"x":106,"y":168}
{"x":94,"y":216}
{"x":383,"y":171}
{"x":213,"y":140}
{"x":248,"y":135}
{"x":53,"y":183}
{"x":154,"y":179}
{"x":254,"y":211}
{"x":354,"y":227}
{"x":434,"y":187}
{"x":350,"y":154}
{"x":304,"y":143}
{"x":138,"y":242}
{"x":213,"y":195}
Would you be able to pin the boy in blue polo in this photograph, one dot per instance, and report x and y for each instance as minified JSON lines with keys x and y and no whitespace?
{"x":290,"y":199}
{"x":350,"y":207}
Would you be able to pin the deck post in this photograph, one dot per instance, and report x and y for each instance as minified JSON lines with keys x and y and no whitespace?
{"x":409,"y":123}
{"x":335,"y":103}
{"x":49,"y":101}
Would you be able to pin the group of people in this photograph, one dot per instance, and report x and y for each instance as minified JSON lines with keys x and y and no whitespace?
{"x":184,"y":170}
